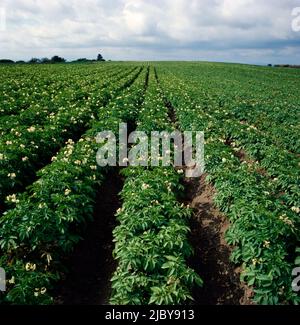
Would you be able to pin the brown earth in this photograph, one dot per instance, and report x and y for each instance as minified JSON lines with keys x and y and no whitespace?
{"x":91,"y":265}
{"x":211,"y":260}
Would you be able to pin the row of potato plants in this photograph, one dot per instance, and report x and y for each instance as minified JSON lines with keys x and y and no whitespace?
{"x":273,"y":161}
{"x":271,"y":98}
{"x":285,"y":134}
{"x":151,"y":240}
{"x":263,"y":230}
{"x":27,"y":149}
{"x":49,"y":218}
{"x":26,"y":85}
{"x":66,"y":93}
{"x":21,"y":84}
{"x":266,"y":99}
{"x":46,"y":111}
{"x":276,"y":162}
{"x":220,"y":99}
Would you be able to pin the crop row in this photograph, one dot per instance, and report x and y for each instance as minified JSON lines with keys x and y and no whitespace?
{"x":25,"y":86}
{"x":43,"y":110}
{"x":249,"y":96}
{"x":273,"y":161}
{"x":49,"y":218}
{"x":151,"y":238}
{"x":263,"y":230}
{"x":28,"y":149}
{"x":285,"y":135}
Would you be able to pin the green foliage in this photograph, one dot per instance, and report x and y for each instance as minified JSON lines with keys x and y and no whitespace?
{"x":250,"y":116}
{"x":29,"y":142}
{"x":251,"y":142}
{"x":151,"y":240}
{"x":49,"y":218}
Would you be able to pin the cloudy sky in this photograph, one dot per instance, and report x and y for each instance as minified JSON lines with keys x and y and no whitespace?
{"x":251,"y":31}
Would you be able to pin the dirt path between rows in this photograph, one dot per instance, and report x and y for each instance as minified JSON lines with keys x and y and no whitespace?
{"x":91,"y":265}
{"x":212,"y":254}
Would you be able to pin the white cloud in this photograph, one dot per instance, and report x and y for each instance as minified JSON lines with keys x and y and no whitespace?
{"x":150,"y":29}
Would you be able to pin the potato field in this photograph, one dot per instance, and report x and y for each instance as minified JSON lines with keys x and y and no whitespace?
{"x":73,"y":232}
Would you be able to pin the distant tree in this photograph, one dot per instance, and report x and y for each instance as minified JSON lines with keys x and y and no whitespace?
{"x":20,"y":62}
{"x":82,"y":60}
{"x":45,"y":60}
{"x":57,"y":59}
{"x":270,"y":65}
{"x":5,"y":61}
{"x":34,"y":60}
{"x":100,"y":58}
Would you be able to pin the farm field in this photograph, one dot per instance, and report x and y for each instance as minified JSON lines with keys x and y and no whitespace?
{"x":72,"y":232}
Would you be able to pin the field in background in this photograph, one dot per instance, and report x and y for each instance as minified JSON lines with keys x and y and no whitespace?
{"x":141,"y":235}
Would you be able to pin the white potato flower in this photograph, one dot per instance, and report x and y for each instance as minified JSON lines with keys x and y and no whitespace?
{"x":12,"y":175}
{"x":31,"y":129}
{"x":67,"y":192}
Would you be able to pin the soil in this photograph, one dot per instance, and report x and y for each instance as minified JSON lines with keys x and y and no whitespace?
{"x":92,"y":264}
{"x":211,"y":260}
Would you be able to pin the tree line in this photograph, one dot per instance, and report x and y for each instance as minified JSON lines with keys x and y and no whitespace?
{"x":54,"y":59}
